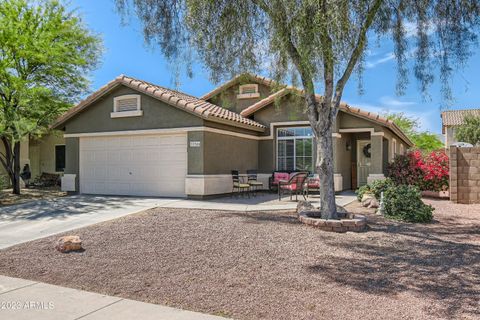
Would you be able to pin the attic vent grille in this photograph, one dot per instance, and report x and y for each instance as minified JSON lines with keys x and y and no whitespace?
{"x":127,"y":104}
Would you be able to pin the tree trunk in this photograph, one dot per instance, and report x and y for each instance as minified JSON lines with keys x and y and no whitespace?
{"x":16,"y":168}
{"x":324,"y":168}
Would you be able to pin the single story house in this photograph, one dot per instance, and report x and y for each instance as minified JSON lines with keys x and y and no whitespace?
{"x":451,"y":119}
{"x":132,"y":137}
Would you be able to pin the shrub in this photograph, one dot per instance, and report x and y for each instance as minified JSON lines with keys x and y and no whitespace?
{"x":361,"y":191}
{"x":436,"y":173}
{"x":376,"y":188}
{"x":404,"y":203}
{"x":405,"y":169}
{"x":427,"y":172}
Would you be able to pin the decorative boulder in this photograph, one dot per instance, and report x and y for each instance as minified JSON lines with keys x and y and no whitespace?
{"x":304,"y":206}
{"x":373,"y":203}
{"x":367,"y":199}
{"x":69,"y":243}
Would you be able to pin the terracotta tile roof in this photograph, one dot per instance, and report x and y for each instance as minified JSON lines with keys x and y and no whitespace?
{"x":191,"y":104}
{"x":455,"y":117}
{"x":343,"y":107}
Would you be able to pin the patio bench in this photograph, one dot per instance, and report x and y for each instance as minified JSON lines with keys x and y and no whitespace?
{"x":47,"y":180}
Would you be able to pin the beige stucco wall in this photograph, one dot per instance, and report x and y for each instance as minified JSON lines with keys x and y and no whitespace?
{"x":450,"y":136}
{"x":42,"y":153}
{"x":156,"y":115}
{"x":228,"y":98}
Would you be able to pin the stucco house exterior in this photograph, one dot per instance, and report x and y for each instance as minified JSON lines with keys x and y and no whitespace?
{"x":451,"y":119}
{"x":132,"y":137}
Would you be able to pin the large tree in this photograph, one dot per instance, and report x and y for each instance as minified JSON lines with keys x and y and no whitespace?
{"x":322,"y":42}
{"x":45,"y":55}
{"x":423,"y":140}
{"x":469,"y":131}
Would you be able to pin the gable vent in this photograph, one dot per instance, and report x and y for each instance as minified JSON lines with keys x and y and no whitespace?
{"x":127,"y":104}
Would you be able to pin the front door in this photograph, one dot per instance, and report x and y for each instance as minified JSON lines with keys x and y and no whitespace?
{"x":363,"y":161}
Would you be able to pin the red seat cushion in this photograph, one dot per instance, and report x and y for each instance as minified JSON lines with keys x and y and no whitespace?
{"x":279,"y":176}
{"x":314,"y":184}
{"x":291,"y":187}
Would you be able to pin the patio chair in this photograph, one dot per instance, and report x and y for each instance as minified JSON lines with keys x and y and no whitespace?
{"x":294,"y":185}
{"x":238,"y":186}
{"x":253,"y":182}
{"x":312,"y":183}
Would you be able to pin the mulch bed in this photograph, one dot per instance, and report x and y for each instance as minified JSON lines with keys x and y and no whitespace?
{"x":267,"y":265}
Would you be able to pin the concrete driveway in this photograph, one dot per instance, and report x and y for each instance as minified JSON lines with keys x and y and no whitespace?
{"x":38,"y":219}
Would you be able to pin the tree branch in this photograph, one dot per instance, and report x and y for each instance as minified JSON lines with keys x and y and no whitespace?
{"x":282,"y":25}
{"x":356,"y":54}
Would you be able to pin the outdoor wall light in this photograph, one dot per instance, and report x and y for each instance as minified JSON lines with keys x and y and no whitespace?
{"x":349,"y":145}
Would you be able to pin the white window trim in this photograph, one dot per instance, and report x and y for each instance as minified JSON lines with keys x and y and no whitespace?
{"x":123,"y":114}
{"x":294,"y":149}
{"x":402,"y":150}
{"x":394,"y":148}
{"x":241,"y":95}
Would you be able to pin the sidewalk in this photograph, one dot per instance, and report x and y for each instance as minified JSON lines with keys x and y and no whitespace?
{"x":24,"y":299}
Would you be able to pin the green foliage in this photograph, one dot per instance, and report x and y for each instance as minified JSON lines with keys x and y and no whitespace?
{"x":469,"y":131}
{"x":404,"y":203}
{"x":362,"y":191}
{"x":426,"y":141}
{"x":376,"y":188}
{"x":423,"y":140}
{"x":45,"y":56}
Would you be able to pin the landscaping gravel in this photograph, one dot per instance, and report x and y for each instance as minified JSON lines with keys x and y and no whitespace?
{"x":266,"y":265}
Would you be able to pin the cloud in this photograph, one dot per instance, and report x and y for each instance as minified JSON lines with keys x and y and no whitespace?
{"x":411,"y":29}
{"x":386,"y":58}
{"x":390,"y":102}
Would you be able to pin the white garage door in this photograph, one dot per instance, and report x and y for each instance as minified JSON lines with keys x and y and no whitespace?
{"x":147,"y":165}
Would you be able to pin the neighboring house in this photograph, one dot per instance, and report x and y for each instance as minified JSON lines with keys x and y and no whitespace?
{"x":451,"y":119}
{"x":132,"y":137}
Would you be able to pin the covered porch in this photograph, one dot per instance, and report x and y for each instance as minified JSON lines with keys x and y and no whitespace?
{"x":361,"y":156}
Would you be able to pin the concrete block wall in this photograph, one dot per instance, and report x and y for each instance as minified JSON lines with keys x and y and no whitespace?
{"x":465,"y":175}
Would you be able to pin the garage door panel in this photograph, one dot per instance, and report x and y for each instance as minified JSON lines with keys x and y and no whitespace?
{"x":153,"y":165}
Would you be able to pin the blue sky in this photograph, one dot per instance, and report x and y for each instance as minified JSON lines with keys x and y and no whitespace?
{"x":126,"y":53}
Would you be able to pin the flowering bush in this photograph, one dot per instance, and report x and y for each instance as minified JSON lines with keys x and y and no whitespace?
{"x":427,"y":172}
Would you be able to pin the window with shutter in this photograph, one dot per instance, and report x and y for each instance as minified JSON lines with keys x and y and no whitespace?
{"x":126,"y":106}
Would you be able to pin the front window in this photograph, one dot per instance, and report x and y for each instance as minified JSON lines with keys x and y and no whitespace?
{"x":295,"y":149}
{"x":59,"y":158}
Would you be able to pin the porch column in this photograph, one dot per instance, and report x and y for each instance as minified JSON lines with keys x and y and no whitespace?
{"x":337,"y":149}
{"x":376,"y":166}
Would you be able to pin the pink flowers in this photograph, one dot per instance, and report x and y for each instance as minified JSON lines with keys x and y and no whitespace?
{"x":428,"y":172}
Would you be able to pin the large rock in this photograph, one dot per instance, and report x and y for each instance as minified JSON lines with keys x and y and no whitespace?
{"x":69,"y":243}
{"x":304,"y":206}
{"x":367,"y":199}
{"x":373,"y":203}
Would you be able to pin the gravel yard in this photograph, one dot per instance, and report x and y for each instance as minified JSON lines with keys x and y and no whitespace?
{"x":266,"y":265}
